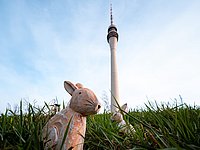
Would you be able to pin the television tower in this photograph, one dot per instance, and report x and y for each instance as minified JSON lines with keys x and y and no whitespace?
{"x":112,"y":39}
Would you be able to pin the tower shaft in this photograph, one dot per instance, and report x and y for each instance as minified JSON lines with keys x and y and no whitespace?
{"x":114,"y":74}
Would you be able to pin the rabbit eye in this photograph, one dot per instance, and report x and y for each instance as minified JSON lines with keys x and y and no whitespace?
{"x":79,"y":93}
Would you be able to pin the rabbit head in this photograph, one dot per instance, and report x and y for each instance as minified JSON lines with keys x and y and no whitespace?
{"x":117,"y":116}
{"x":83,"y":100}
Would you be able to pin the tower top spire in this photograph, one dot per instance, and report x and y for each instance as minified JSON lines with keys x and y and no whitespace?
{"x":111,"y":16}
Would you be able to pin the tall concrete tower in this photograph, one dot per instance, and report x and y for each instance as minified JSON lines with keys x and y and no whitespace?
{"x":112,"y":39}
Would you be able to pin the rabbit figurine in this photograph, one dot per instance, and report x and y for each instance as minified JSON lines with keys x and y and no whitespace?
{"x":118,"y":117}
{"x":83,"y":103}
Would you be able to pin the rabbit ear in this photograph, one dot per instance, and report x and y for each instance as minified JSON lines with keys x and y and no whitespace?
{"x":69,"y":87}
{"x":79,"y":85}
{"x":125,"y":107}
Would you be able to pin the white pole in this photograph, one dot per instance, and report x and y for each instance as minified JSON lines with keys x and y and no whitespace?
{"x":114,"y":74}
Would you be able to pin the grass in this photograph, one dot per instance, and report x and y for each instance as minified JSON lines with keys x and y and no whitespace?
{"x":156,"y":127}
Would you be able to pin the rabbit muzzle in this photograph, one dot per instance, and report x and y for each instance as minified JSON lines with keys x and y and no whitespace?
{"x":91,"y":110}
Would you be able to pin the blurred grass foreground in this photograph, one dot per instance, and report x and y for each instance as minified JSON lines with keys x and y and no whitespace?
{"x":156,"y":126}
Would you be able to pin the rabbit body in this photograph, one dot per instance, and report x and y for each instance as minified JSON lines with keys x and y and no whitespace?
{"x":82,"y":103}
{"x":118,"y":117}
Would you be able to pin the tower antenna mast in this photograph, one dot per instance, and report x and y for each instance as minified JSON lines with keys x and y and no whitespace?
{"x":111,"y":16}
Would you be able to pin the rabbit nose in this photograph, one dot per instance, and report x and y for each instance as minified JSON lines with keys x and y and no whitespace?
{"x":99,"y":106}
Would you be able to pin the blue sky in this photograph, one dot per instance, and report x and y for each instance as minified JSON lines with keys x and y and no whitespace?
{"x":43,"y":43}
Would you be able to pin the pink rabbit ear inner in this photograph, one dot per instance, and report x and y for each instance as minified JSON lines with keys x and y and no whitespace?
{"x":69,"y":87}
